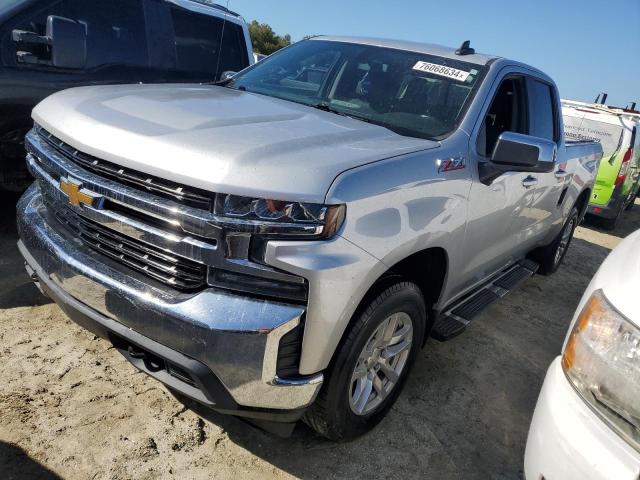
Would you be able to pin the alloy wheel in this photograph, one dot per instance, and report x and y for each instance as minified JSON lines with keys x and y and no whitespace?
{"x":380,"y":363}
{"x":564,"y":241}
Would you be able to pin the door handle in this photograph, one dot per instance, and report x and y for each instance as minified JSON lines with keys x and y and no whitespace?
{"x":561,"y":173}
{"x":529,"y":182}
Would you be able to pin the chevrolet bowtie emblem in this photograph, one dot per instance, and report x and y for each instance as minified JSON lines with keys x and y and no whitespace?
{"x":74,"y":192}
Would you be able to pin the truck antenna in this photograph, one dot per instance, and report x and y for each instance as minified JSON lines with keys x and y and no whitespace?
{"x":465,"y":48}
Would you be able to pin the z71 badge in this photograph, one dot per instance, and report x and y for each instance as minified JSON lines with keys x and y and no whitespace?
{"x":450,"y":164}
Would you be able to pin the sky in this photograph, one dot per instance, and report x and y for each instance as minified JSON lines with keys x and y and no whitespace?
{"x":586,"y":46}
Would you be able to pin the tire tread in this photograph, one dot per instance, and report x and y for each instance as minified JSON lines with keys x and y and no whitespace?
{"x":316,"y":416}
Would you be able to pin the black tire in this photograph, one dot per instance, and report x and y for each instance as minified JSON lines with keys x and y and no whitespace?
{"x":630,"y":203}
{"x":548,"y":257}
{"x":611,"y":223}
{"x":331,"y":415}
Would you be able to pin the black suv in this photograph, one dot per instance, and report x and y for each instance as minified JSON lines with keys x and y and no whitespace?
{"x":50,"y":45}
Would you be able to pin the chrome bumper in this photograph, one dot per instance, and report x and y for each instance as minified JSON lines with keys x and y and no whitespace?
{"x":236,"y":337}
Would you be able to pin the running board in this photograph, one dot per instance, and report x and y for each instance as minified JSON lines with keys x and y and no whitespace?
{"x":456,"y":318}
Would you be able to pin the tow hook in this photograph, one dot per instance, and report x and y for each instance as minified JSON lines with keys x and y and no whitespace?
{"x":152,"y":363}
{"x":34,"y":278}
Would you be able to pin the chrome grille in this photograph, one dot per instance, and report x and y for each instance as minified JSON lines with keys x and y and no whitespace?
{"x":190,"y":196}
{"x":168,"y":240}
{"x":178,"y":272}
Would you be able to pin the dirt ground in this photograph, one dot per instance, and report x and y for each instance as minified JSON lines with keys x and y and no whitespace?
{"x":71,"y":407}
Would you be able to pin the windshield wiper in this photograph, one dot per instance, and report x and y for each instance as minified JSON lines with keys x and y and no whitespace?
{"x":325,"y":107}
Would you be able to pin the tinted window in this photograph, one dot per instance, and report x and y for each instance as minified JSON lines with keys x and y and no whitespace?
{"x":197,"y":42}
{"x":541,"y":108}
{"x":411,"y":93}
{"x":507,"y":113}
{"x":234,"y":49}
{"x":115,"y":30}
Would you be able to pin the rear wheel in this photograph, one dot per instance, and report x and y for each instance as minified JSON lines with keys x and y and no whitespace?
{"x":550,"y":257}
{"x":612,"y":223}
{"x":371,"y":365}
{"x":631,"y":202}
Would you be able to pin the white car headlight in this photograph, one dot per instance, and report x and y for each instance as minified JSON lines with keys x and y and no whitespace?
{"x":264,"y":216}
{"x":602,"y":361}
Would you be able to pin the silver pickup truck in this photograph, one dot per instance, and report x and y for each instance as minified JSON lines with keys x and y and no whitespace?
{"x":281,"y":245}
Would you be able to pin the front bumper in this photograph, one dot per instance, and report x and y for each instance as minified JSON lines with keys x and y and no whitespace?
{"x":568,"y":440}
{"x":226,"y":343}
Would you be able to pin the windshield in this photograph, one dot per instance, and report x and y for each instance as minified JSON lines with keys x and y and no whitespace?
{"x":413,"y":94}
{"x":606,"y":134}
{"x":6,"y":5}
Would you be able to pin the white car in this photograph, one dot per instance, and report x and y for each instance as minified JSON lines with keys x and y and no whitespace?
{"x":587,"y":421}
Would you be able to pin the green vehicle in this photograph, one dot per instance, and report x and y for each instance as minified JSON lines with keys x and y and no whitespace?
{"x":618,"y":178}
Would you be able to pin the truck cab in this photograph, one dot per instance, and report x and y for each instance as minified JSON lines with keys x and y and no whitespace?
{"x":51,"y":45}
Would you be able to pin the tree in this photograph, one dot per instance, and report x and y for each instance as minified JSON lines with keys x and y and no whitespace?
{"x":265,"y":40}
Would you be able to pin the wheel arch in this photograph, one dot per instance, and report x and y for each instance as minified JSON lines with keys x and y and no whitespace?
{"x":583,"y":202}
{"x":426,"y":268}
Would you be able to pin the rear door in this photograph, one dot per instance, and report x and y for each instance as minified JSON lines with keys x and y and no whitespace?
{"x":634,"y":163}
{"x":608,"y":130}
{"x":544,"y":122}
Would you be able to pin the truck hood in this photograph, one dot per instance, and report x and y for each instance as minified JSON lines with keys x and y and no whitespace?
{"x":219,"y":139}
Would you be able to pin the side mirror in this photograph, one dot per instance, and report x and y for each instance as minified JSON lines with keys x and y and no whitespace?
{"x":523,"y":152}
{"x":227,"y":75}
{"x":515,"y":152}
{"x":68,"y":42}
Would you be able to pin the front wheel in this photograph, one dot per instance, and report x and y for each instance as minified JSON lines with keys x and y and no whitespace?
{"x":550,"y":257}
{"x":371,"y":365}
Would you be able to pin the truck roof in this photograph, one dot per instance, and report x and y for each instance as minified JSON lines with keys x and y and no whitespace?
{"x":427,"y":48}
{"x":600,"y":113}
{"x":203,"y":6}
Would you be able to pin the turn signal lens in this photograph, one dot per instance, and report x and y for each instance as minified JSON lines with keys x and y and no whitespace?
{"x":602,"y":361}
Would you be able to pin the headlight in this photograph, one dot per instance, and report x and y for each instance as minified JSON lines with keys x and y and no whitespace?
{"x":280,"y":217}
{"x":602,"y":360}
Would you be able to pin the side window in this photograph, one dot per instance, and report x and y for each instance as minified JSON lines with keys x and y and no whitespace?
{"x":197,"y":42}
{"x":542,"y":110}
{"x":234,"y":55}
{"x":115,"y":32}
{"x":507,"y":113}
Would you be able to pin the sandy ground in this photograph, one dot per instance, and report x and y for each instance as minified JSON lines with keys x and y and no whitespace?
{"x":72,"y":407}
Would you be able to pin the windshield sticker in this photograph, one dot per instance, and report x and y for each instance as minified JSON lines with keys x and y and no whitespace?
{"x":442,"y":71}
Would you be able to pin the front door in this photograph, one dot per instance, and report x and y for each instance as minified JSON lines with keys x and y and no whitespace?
{"x":499,"y":213}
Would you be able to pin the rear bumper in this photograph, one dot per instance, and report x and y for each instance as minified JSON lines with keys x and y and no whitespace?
{"x":227,"y":344}
{"x":609,"y":210}
{"x":568,"y":440}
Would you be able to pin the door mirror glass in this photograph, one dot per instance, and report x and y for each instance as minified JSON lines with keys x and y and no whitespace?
{"x":68,"y":42}
{"x":518,"y":152}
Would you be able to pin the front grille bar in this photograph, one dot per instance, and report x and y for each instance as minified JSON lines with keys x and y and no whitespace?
{"x":196,"y":221}
{"x":176,"y":272}
{"x":187,"y":195}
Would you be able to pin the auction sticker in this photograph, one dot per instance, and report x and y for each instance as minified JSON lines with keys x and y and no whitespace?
{"x":442,"y":71}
